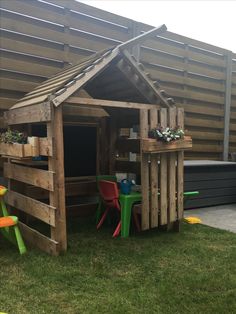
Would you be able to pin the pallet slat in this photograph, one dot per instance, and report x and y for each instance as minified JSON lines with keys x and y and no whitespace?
{"x":36,"y":177}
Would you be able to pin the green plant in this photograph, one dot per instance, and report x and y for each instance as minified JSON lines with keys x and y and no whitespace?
{"x":13,"y":136}
{"x":166,"y":134}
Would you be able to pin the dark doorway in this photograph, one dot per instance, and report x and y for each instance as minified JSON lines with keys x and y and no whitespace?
{"x":80,"y":151}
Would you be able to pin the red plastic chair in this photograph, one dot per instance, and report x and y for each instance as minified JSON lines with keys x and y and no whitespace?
{"x":110,"y":197}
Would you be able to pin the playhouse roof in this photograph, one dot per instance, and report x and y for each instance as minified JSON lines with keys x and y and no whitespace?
{"x":95,"y":75}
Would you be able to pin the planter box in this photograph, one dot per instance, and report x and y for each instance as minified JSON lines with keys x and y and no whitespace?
{"x":150,"y":145}
{"x":21,"y":150}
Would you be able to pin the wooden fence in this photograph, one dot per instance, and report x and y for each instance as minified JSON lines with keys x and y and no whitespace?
{"x":38,"y":39}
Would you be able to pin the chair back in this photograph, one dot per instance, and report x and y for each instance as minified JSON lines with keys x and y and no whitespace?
{"x":105,"y":177}
{"x":108,"y":190}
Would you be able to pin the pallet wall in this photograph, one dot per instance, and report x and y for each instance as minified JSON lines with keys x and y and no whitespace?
{"x":38,"y":39}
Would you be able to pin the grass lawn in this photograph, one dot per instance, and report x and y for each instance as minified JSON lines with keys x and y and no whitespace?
{"x":155,"y":272}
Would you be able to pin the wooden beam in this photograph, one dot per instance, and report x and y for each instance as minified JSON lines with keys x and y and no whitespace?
{"x":85,"y":77}
{"x":42,"y":211}
{"x":109,"y":103}
{"x":141,"y":38}
{"x":37,"y":177}
{"x":45,"y":146}
{"x":84,"y":111}
{"x":36,"y":239}
{"x":81,"y":188}
{"x":56,"y":164}
{"x":35,"y":113}
{"x":143,"y":76}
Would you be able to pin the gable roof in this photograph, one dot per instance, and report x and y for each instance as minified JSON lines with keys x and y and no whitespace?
{"x":61,"y":86}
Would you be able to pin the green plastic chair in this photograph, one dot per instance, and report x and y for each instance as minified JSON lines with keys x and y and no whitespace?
{"x":112,"y":178}
{"x":9,"y":224}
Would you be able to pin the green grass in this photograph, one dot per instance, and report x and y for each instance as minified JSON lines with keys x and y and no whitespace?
{"x":155,"y":272}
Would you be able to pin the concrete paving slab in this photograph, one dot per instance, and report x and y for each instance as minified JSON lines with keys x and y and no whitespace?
{"x":222,"y":217}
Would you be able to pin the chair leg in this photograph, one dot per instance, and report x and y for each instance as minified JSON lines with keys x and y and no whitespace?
{"x":98,"y":211}
{"x":103,"y":218}
{"x":117,"y":231}
{"x":19,"y":240}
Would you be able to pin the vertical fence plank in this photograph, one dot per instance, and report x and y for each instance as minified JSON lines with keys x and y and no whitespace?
{"x":171,"y":172}
{"x":180,"y":170}
{"x":228,"y":93}
{"x":144,"y":171}
{"x":163,"y":174}
{"x":154,"y":175}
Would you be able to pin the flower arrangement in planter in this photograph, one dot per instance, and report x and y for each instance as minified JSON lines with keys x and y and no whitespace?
{"x":13,"y":136}
{"x":166,"y":140}
{"x":17,"y":144}
{"x":166,"y":134}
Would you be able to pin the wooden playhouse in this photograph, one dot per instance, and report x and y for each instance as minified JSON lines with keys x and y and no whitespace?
{"x":75,"y":121}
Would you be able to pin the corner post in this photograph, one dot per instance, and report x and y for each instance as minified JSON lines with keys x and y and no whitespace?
{"x":56,"y":164}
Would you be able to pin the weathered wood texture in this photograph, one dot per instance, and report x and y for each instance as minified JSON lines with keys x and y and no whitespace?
{"x":160,"y":166}
{"x":36,"y":177}
{"x":39,"y":39}
{"x":170,"y":181}
{"x":37,"y":239}
{"x":42,"y":211}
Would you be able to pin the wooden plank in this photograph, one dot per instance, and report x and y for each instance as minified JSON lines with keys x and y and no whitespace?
{"x":36,"y":239}
{"x":145,"y":79}
{"x":81,"y":210}
{"x":154,"y":175}
{"x":56,"y":164}
{"x":19,"y":64}
{"x":177,"y":48}
{"x":180,"y":169}
{"x":6,"y":103}
{"x":81,"y":188}
{"x":205,"y":135}
{"x":171,"y":185}
{"x":94,"y":12}
{"x":88,"y":75}
{"x":173,"y":62}
{"x":165,"y":75}
{"x":190,"y":94}
{"x":42,"y":211}
{"x":195,"y":43}
{"x":142,"y":37}
{"x":84,"y":111}
{"x":227,"y":104}
{"x":154,"y":146}
{"x":207,"y":123}
{"x":163,"y":175}
{"x":109,"y":103}
{"x":36,"y":177}
{"x":144,"y":172}
{"x":45,"y":146}
{"x":16,"y":84}
{"x":29,"y":114}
